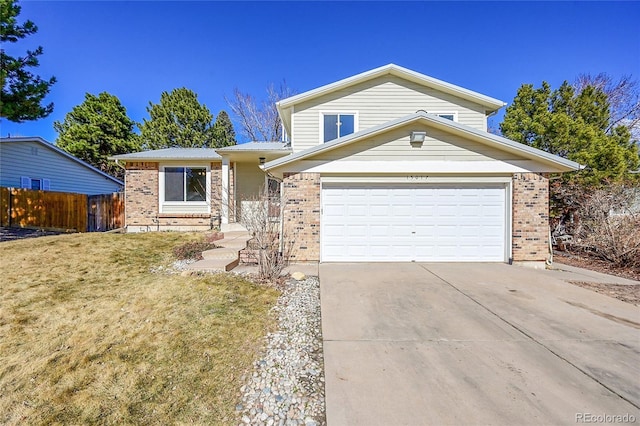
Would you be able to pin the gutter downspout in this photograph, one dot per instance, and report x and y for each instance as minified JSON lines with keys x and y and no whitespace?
{"x":281,"y":225}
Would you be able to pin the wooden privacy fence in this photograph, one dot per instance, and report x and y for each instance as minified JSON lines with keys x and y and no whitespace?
{"x":60,"y":210}
{"x":105,"y":212}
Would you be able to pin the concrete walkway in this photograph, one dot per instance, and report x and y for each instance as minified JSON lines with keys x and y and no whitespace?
{"x":573,"y":273}
{"x":413,"y":344}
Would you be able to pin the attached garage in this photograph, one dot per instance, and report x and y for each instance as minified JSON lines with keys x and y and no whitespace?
{"x":403,"y":222}
{"x":460,"y":195}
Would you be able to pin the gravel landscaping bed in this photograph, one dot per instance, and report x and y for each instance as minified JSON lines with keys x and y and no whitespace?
{"x":287,"y":384}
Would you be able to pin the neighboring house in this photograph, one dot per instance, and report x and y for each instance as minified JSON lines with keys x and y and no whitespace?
{"x":387,"y":165}
{"x":33,"y":163}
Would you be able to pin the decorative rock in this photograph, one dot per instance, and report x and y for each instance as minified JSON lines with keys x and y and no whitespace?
{"x":287,"y":385}
{"x":298,"y":276}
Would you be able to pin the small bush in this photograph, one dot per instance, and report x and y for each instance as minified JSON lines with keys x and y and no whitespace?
{"x":213,"y":236}
{"x":192,"y":250}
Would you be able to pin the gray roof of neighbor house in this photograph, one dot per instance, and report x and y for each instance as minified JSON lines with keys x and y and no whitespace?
{"x":257,"y":146}
{"x":63,"y":153}
{"x":443,"y":123}
{"x":171,"y":154}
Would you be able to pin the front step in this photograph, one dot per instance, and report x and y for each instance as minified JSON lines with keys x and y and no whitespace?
{"x":213,"y":265}
{"x":221,"y":253}
{"x":226,"y":256}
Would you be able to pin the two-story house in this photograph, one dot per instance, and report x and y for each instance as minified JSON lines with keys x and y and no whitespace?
{"x":387,"y":165}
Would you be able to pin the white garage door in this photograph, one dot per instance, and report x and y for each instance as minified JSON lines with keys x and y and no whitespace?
{"x":417,"y":222}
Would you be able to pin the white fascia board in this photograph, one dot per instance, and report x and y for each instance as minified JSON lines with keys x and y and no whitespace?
{"x":286,"y":116}
{"x":555,"y":163}
{"x":398,"y":71}
{"x":513,"y":146}
{"x":152,"y":158}
{"x":418,"y":167}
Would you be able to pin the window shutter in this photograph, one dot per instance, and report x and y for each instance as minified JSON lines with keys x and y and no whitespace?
{"x":25,"y":182}
{"x":46,"y":184}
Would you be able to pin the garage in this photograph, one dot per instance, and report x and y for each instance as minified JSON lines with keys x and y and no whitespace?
{"x":404,"y":222}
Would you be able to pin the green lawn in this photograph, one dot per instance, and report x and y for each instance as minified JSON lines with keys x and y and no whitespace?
{"x":88,"y":334}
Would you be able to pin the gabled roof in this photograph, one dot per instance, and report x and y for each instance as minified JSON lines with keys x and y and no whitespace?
{"x":491,"y":104}
{"x":171,"y":154}
{"x":39,"y":140}
{"x":442,"y":124}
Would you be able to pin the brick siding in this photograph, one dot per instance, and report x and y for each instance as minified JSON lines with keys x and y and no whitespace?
{"x":142,"y":211}
{"x":216,"y":192}
{"x":530,"y":217}
{"x":301,"y":213}
{"x":141,"y":188}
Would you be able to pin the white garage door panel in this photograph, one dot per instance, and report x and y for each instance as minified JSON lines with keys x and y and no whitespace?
{"x":377,"y":222}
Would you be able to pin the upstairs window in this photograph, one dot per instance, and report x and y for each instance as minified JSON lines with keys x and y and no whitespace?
{"x":337,"y":125}
{"x":185,"y":184}
{"x":453,"y":116}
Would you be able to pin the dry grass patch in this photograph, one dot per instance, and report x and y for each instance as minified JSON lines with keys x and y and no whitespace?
{"x":89,"y":335}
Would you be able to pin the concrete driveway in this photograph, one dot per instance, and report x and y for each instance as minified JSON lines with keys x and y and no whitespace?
{"x":411,"y":344}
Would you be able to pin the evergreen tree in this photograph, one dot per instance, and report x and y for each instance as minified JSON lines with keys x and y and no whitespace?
{"x":96,"y":129}
{"x":179,"y":120}
{"x":223,"y":133}
{"x":22,"y":91}
{"x":575,"y":126}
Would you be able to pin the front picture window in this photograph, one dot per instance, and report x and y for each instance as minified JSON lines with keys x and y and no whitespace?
{"x":338,"y":125}
{"x":185,"y":184}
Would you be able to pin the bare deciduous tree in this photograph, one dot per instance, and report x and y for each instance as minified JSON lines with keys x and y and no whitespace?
{"x":623,"y":96}
{"x":259,"y":119}
{"x":271,"y":246}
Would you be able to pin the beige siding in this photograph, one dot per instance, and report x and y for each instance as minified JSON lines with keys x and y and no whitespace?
{"x":376,"y":102}
{"x":394,"y":145}
{"x":250,"y":180}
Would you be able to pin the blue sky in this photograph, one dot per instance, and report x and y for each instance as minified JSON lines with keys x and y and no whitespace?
{"x":135,"y":50}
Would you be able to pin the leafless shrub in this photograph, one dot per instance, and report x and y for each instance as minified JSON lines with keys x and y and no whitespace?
{"x":271,"y":248}
{"x":609,"y":225}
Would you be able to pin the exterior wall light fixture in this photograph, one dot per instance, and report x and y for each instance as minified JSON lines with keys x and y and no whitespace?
{"x":417,"y":139}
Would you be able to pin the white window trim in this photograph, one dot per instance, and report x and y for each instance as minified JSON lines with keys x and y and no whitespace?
{"x":163,"y":203}
{"x":321,"y":114}
{"x":440,"y":113}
